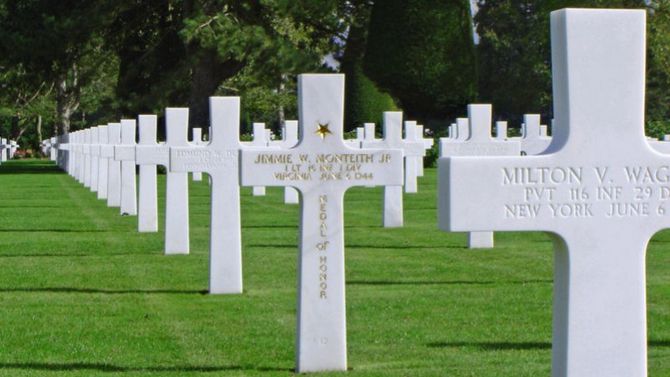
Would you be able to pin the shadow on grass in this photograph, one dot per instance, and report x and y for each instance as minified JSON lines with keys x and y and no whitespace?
{"x":100,"y":367}
{"x":81,"y":255}
{"x":270,"y":227}
{"x":451,"y":282}
{"x":45,"y":168}
{"x":404,"y":247}
{"x":494,"y":346}
{"x":102,"y":291}
{"x":17,"y":230}
{"x":518,"y":346}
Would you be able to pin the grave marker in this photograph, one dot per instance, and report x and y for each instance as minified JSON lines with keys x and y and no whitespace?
{"x":197,"y":140}
{"x":480,"y":143}
{"x":94,"y":149}
{"x":103,"y":164}
{"x":125,"y":153}
{"x":113,"y":166}
{"x":598,"y":189}
{"x":220,"y":160}
{"x":322,"y":167}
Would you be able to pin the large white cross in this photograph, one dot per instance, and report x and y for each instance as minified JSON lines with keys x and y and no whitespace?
{"x":480,"y":143}
{"x":599,"y":189}
{"x":322,"y":168}
{"x":220,"y":160}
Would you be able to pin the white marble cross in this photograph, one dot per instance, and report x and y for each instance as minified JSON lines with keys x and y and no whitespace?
{"x":599,"y":190}
{"x":480,"y":143}
{"x":197,"y":140}
{"x":177,"y":237}
{"x":113,"y":166}
{"x":94,"y":149}
{"x":393,"y":199}
{"x":428,"y":143}
{"x":125,"y":152}
{"x":260,"y":140}
{"x":413,"y":158}
{"x":103,"y":164}
{"x":501,"y":130}
{"x":88,"y":137}
{"x":149,"y":154}
{"x":462,"y":132}
{"x":532,"y":142}
{"x":322,"y":168}
{"x":220,"y":160}
{"x":289,"y":140}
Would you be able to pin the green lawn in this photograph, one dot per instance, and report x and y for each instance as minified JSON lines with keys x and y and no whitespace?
{"x":83,"y":294}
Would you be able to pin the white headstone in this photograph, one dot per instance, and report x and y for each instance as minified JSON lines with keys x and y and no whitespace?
{"x":219,"y":159}
{"x":393,"y":199}
{"x":113,"y":166}
{"x":322,"y":167}
{"x":88,"y":136}
{"x":148,"y":154}
{"x":94,"y":149}
{"x":480,"y":143}
{"x":427,"y":145}
{"x":103,"y":162}
{"x":197,"y":140}
{"x":289,"y":140}
{"x":412,"y":158}
{"x":260,"y":140}
{"x":532,"y":142}
{"x":501,"y":130}
{"x":176,"y":207}
{"x":599,"y":189}
{"x":125,"y":152}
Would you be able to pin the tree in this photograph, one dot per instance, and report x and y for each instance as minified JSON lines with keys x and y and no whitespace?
{"x":52,"y":40}
{"x":514,"y":52}
{"x":422,"y":53}
{"x":182,"y":52}
{"x":363,"y":101}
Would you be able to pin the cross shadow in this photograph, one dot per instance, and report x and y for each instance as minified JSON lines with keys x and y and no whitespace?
{"x":52,"y":255}
{"x":30,"y":169}
{"x":518,"y":346}
{"x":102,"y":291}
{"x":17,"y":230}
{"x":100,"y":367}
{"x":495,"y":346}
{"x":451,"y":282}
{"x":407,"y":247}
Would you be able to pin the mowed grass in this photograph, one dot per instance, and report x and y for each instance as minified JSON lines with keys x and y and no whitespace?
{"x":83,"y":294}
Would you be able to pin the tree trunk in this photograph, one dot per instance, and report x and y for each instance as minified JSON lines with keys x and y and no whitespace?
{"x":208,"y":73}
{"x":67,"y":99}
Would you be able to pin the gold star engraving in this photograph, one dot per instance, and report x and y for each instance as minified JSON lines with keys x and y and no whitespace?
{"x":323,"y":131}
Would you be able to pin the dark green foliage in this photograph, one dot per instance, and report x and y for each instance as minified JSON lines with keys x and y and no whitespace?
{"x":422,"y":53}
{"x":363,"y":102}
{"x":514,"y":52}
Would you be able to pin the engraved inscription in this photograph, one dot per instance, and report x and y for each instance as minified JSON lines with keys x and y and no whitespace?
{"x":322,"y":247}
{"x":203,"y":159}
{"x":585,"y":192}
{"x":323,"y":167}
